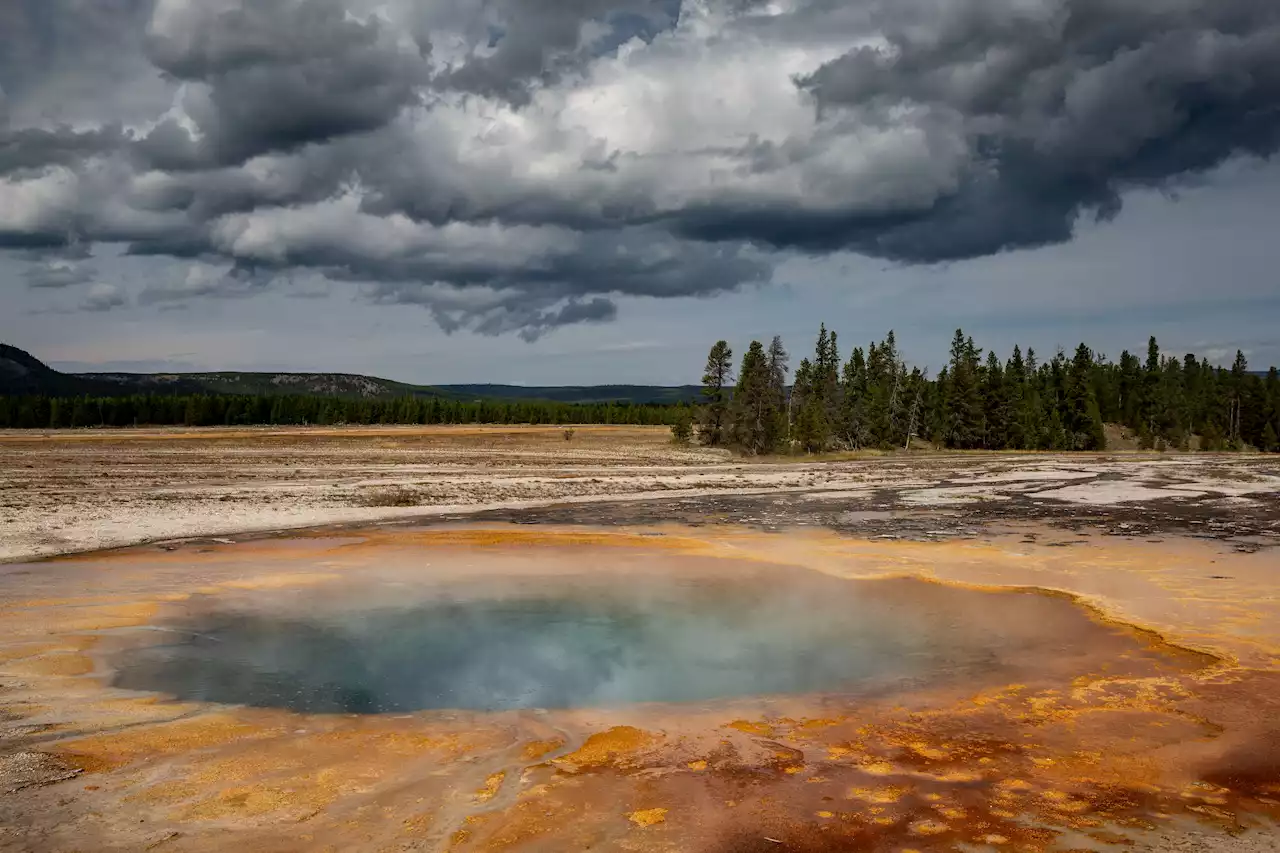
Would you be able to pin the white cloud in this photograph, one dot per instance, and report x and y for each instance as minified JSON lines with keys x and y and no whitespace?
{"x":102,"y":297}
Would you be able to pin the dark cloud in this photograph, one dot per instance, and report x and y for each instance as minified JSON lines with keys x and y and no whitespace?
{"x":34,"y":148}
{"x":305,"y":177}
{"x":530,"y":316}
{"x":64,"y":61}
{"x":275,"y":75}
{"x":511,"y":167}
{"x":1066,"y":105}
{"x":32,"y":241}
{"x":491,"y":280}
{"x":536,"y":42}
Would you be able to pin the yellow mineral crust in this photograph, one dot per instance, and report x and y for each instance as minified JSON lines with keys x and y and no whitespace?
{"x":1174,"y":721}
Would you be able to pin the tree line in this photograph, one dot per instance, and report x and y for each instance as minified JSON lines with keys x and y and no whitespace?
{"x":873,"y":400}
{"x":46,"y":412}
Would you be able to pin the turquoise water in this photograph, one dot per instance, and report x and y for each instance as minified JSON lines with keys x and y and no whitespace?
{"x":563,"y":646}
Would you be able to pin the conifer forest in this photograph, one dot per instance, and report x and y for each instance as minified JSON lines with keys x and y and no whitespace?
{"x":759,"y":406}
{"x":980,"y":401}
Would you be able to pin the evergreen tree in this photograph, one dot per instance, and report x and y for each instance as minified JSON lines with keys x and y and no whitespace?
{"x":1240,"y":402}
{"x":754,"y":404}
{"x":964,"y":397}
{"x":682,"y":429}
{"x":715,"y":390}
{"x":1130,"y":390}
{"x":817,"y":391}
{"x":1018,"y":428}
{"x":1271,"y":405}
{"x":827,"y":365}
{"x":780,"y":428}
{"x":995,"y":401}
{"x":1082,"y":421}
{"x":1151,"y":403}
{"x":809,"y":429}
{"x":1269,"y":442}
{"x":886,"y":394}
{"x":892,"y":388}
{"x":855,"y":430}
{"x":916,"y":393}
{"x":1034,"y":425}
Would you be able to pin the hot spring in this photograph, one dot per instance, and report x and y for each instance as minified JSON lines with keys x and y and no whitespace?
{"x":394,"y":643}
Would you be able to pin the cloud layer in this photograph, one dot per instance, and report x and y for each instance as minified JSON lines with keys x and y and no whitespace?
{"x":515,"y":165}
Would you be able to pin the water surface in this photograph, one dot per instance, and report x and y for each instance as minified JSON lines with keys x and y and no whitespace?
{"x":574,"y":642}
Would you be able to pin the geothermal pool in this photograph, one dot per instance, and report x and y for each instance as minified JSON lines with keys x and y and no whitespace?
{"x":586,"y":635}
{"x":504,"y":689}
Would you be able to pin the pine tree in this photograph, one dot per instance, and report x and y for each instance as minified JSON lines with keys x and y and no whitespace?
{"x":682,"y":429}
{"x":808,"y":429}
{"x":1269,"y":443}
{"x":1082,"y":420}
{"x":916,"y":390}
{"x":1152,"y":406}
{"x":715,"y":384}
{"x":995,"y":401}
{"x":817,"y":388}
{"x":827,"y":365}
{"x":753,"y":403}
{"x":886,"y":397}
{"x":1211,"y":440}
{"x":964,"y":398}
{"x":1130,"y":390}
{"x":854,"y":427}
{"x":1270,"y":395}
{"x":1034,"y":425}
{"x":892,"y":391}
{"x":1015,"y":375}
{"x":1238,"y":393}
{"x":780,"y":427}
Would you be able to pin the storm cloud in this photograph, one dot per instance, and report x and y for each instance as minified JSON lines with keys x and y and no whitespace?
{"x":518,"y":165}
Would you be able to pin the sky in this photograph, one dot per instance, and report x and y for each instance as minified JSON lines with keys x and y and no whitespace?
{"x":595,"y":191}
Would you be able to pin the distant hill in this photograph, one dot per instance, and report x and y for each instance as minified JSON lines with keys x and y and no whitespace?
{"x":579,"y":393}
{"x":23,"y":373}
{"x":308,"y":384}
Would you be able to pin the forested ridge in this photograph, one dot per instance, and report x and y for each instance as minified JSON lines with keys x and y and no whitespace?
{"x":871,"y":400}
{"x":45,"y":412}
{"x":35,"y":396}
{"x":1021,"y":402}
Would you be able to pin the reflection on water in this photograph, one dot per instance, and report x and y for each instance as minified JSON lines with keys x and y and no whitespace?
{"x":393,"y":648}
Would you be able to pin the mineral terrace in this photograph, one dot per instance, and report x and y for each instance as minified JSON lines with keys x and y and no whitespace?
{"x":1096,"y":643}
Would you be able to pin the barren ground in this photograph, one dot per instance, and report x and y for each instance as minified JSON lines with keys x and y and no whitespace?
{"x":84,"y":490}
{"x":1153,"y":725}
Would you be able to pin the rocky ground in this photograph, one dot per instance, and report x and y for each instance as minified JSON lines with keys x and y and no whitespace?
{"x":1170,"y":744}
{"x":75,"y":491}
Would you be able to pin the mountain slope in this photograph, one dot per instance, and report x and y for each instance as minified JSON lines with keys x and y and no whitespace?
{"x":23,"y":373}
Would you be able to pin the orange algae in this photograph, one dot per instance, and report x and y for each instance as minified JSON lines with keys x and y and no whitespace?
{"x":492,"y":784}
{"x":648,"y":817}
{"x":1056,"y":777}
{"x":613,"y":746}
